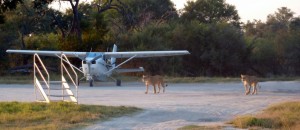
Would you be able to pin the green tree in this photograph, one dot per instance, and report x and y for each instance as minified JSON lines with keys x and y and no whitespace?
{"x":210,"y":11}
{"x":278,"y":24}
{"x":216,"y":49}
{"x":149,"y":11}
{"x":152,"y":37}
{"x":280,"y":20}
{"x":275,"y":50}
{"x":143,"y":13}
{"x":6,"y":5}
{"x":292,"y":48}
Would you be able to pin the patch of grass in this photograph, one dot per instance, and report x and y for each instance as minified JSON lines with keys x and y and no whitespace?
{"x":195,"y":127}
{"x":251,"y":121}
{"x":279,"y":116}
{"x":19,"y":79}
{"x":56,"y":115}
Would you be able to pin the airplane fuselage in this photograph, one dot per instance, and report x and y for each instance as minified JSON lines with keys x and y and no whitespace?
{"x":97,"y":69}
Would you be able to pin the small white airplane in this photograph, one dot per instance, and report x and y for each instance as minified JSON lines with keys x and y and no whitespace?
{"x":100,"y":65}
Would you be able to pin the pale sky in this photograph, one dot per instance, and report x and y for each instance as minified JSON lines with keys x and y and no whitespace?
{"x":256,"y":9}
{"x":179,"y":4}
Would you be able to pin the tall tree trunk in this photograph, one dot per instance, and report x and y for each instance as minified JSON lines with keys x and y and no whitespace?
{"x":75,"y":29}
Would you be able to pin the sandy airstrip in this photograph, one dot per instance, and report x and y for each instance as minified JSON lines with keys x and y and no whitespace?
{"x":182,"y":104}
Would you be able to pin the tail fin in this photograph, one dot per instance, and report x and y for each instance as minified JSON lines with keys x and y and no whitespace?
{"x":113,"y":60}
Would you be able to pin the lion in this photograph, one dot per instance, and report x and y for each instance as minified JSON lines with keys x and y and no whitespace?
{"x":154,"y":80}
{"x":250,"y":81}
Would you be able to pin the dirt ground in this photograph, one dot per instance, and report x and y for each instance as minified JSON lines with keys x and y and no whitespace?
{"x":183,"y":103}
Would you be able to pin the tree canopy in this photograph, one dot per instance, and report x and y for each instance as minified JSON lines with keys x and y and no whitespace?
{"x":210,"y":11}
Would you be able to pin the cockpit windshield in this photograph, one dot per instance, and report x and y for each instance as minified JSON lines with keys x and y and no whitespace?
{"x":91,"y":56}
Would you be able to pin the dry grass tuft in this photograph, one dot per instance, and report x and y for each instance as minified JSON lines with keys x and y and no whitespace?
{"x":278,"y":116}
{"x":195,"y":127}
{"x":58,"y":115}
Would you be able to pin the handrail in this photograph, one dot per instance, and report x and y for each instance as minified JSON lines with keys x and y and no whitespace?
{"x":63,"y":67}
{"x":36,"y":55}
{"x":68,"y":74}
{"x":69,"y":63}
{"x":42,"y":76}
{"x":36,"y":68}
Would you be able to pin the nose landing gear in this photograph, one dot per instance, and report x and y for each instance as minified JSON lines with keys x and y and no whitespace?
{"x":91,"y":82}
{"x":118,"y":82}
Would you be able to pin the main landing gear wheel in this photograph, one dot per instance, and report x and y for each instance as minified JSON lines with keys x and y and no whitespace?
{"x":91,"y":82}
{"x":118,"y":82}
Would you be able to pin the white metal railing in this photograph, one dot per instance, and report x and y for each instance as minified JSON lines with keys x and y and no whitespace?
{"x":40,"y":72}
{"x":41,"y":75}
{"x":64,"y":69}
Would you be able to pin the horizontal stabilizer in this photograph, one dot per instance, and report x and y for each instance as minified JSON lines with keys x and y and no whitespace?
{"x":122,"y":70}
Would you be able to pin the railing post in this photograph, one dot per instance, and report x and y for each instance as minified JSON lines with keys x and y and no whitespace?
{"x":62,"y":74}
{"x":34,"y":76}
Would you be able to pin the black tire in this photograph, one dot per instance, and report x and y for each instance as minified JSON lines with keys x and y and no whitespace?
{"x":118,"y":82}
{"x":91,"y":83}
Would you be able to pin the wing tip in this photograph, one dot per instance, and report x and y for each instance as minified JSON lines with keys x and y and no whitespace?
{"x":186,"y":52}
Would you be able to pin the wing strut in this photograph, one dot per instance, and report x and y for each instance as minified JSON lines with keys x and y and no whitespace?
{"x":120,"y":64}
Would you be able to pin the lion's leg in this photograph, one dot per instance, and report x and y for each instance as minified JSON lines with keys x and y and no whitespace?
{"x":158,"y":87}
{"x":154,"y":87}
{"x":249,"y":89}
{"x":253,"y":91}
{"x":146,"y":89}
{"x":246,"y":88}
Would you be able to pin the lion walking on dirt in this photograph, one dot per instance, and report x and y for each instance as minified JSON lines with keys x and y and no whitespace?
{"x":154,"y":80}
{"x":250,"y":81}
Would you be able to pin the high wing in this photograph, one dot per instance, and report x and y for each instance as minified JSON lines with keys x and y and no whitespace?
{"x":141,"y":54}
{"x":80,"y":55}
